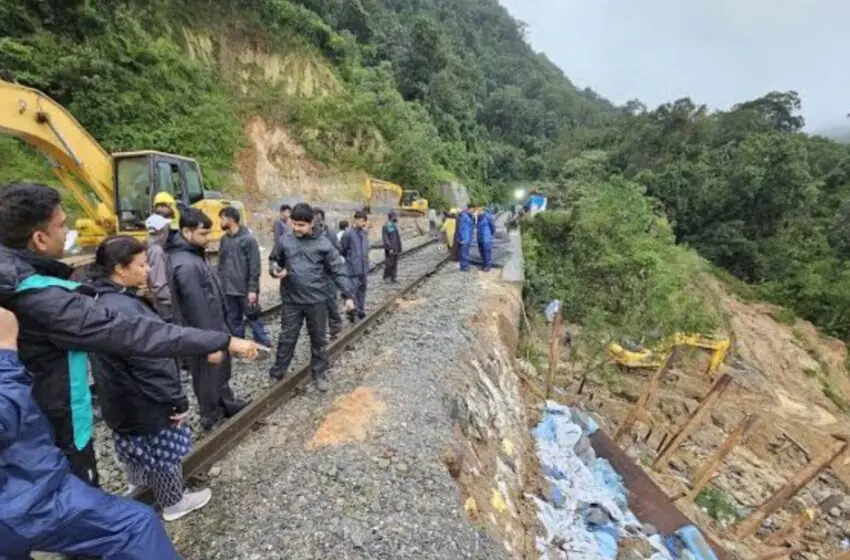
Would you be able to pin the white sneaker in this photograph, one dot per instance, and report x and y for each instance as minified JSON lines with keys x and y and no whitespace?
{"x":130,"y":490}
{"x":190,"y":502}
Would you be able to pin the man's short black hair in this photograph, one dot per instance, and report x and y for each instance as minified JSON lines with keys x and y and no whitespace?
{"x":301,"y":212}
{"x":231,"y":213}
{"x":319,"y":212}
{"x":192,"y":218}
{"x":24,"y":209}
{"x":343,"y":224}
{"x":360,"y":215}
{"x":285,"y":207}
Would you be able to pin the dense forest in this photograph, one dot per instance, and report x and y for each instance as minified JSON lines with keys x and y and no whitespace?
{"x":745,"y":188}
{"x":431,"y":90}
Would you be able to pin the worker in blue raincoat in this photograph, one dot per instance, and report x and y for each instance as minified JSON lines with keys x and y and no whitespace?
{"x":465,"y":227}
{"x":44,"y":506}
{"x":486,"y":229}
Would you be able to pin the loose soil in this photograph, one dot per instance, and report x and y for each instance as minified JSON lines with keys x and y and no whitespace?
{"x":350,"y":419}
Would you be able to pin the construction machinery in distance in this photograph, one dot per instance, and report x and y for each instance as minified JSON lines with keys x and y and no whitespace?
{"x":636,"y":356}
{"x":386,"y":194}
{"x":122,"y":186}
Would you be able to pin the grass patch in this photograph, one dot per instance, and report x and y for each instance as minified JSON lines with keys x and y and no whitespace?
{"x":784,"y":316}
{"x":718,"y":505}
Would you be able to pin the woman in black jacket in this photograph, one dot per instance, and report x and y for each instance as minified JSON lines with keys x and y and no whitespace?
{"x":142,"y":399}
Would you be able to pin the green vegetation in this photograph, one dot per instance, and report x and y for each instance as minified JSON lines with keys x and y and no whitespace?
{"x":430,"y":90}
{"x":718,"y":505}
{"x":612,"y":260}
{"x":745,"y":188}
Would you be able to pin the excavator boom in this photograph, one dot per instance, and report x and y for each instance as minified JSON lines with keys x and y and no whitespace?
{"x":36,"y":119}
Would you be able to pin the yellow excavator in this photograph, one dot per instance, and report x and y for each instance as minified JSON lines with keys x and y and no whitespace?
{"x":412,"y":203}
{"x":124,"y":185}
{"x":652,"y":358}
{"x":383,"y":193}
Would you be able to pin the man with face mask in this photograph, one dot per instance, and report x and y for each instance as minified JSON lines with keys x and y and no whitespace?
{"x":59,"y":321}
{"x":198,"y":301}
{"x":305,"y":261}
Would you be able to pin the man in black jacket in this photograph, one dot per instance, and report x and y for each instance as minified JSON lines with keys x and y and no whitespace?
{"x":355,"y":250}
{"x":239,"y":270}
{"x":198,"y":301}
{"x":304,"y":261}
{"x":334,"y":318}
{"x":59,"y":321}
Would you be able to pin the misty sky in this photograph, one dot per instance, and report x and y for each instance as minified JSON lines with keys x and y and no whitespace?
{"x":718,"y":52}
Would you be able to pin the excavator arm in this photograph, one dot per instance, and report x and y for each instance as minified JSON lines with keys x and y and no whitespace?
{"x":76,"y":157}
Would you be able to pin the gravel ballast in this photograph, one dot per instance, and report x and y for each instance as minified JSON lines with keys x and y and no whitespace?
{"x":357,"y":472}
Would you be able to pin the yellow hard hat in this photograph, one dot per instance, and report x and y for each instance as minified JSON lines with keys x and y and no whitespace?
{"x":453,"y":210}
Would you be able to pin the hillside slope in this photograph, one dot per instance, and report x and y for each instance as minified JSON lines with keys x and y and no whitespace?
{"x":285,"y":98}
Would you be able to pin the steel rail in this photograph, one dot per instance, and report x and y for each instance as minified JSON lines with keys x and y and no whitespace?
{"x":221,"y":441}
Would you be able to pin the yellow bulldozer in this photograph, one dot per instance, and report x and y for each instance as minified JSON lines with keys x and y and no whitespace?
{"x":383,"y":193}
{"x":122,"y":186}
{"x":652,"y":358}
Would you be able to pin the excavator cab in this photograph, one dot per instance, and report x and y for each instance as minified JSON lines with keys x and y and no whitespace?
{"x":412,"y":202}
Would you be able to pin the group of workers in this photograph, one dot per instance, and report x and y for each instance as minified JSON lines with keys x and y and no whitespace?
{"x":51,"y":330}
{"x":146,"y":308}
{"x":460,"y":229}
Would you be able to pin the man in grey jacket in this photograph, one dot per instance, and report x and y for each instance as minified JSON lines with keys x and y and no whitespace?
{"x":158,"y":228}
{"x":304,"y":261}
{"x":239,"y":270}
{"x":198,"y":301}
{"x":355,"y":251}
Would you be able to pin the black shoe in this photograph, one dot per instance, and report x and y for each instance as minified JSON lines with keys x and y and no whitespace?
{"x":209,"y":425}
{"x":361,"y":314}
{"x":236,"y":408}
{"x":333,"y":335}
{"x":276,"y":374}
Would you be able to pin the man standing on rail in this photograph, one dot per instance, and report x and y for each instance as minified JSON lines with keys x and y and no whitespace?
{"x":45,"y":507}
{"x":303,"y":261}
{"x":391,"y":239}
{"x":239,"y":269}
{"x":485,"y":230}
{"x":355,"y":250}
{"x":198,"y":301}
{"x":59,"y":321}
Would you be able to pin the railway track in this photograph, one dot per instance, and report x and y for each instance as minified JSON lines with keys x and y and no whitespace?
{"x":212,"y":448}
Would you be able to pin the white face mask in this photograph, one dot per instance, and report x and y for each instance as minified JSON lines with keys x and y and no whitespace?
{"x":71,"y":240}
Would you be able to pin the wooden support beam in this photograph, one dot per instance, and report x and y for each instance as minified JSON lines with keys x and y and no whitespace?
{"x":646,"y":398}
{"x":554,"y":351}
{"x":736,"y":436}
{"x":801,"y":521}
{"x":798,"y":445}
{"x":790,"y":529}
{"x":749,"y":525}
{"x":776,"y":554}
{"x":694,"y":420}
